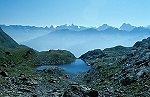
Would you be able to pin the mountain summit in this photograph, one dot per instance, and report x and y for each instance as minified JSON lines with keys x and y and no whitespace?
{"x":127,"y":27}
{"x":104,"y":27}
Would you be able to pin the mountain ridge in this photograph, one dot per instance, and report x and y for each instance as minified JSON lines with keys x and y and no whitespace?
{"x":127,"y":27}
{"x":124,"y":26}
{"x":7,"y":41}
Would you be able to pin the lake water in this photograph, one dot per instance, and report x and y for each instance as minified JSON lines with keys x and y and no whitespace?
{"x":75,"y":67}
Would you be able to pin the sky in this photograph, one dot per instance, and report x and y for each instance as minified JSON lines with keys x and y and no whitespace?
{"x":80,"y":12}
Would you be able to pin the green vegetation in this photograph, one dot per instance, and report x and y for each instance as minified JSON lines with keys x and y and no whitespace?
{"x":117,"y":51}
{"x":56,"y":57}
{"x":22,"y":54}
{"x":19,"y":55}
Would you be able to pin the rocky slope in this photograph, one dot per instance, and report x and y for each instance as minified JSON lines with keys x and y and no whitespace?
{"x":120,"y":71}
{"x":108,"y":54}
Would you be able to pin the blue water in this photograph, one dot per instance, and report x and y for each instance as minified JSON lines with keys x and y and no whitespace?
{"x":75,"y":67}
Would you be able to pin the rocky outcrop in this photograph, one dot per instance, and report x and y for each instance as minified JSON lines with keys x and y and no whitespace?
{"x":91,"y":56}
{"x":108,"y":54}
{"x":122,"y":71}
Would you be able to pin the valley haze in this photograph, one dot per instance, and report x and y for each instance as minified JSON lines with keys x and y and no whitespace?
{"x":77,"y":39}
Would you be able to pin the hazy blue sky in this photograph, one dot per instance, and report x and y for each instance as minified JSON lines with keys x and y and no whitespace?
{"x":80,"y":12}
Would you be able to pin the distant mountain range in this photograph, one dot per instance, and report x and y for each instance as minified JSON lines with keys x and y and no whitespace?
{"x":71,"y":37}
{"x":23,"y":33}
{"x":27,"y":29}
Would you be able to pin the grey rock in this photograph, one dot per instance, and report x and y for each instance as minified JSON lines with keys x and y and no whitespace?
{"x":142,"y":72}
{"x":75,"y":90}
{"x":32,"y":82}
{"x":4,"y":65}
{"x":24,"y":90}
{"x":127,"y":81}
{"x":52,"y":80}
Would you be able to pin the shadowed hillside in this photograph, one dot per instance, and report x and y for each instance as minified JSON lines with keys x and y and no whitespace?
{"x":6,"y":40}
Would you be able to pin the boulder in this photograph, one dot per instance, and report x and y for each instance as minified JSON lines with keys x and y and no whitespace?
{"x":24,"y":90}
{"x":52,"y":80}
{"x":8,"y":53}
{"x":32,"y":82}
{"x":4,"y":65}
{"x":4,"y":74}
{"x":75,"y":90}
{"x":142,"y":72}
{"x":127,"y":81}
